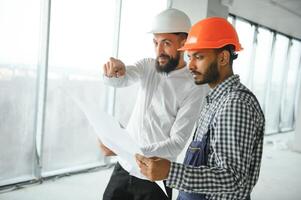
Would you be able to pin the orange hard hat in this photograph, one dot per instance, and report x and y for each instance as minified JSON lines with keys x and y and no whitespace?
{"x":211,"y":33}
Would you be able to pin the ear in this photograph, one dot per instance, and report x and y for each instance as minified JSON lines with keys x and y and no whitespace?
{"x":224,"y":58}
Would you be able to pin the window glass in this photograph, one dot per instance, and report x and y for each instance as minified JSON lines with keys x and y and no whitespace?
{"x":276,"y":78}
{"x":81,"y":40}
{"x":19,"y":39}
{"x":287,"y":104}
{"x":241,"y":65}
{"x":261,"y":64}
{"x":272,"y":74}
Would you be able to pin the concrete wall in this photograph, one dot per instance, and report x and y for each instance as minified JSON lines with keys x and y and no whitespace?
{"x":200,"y":9}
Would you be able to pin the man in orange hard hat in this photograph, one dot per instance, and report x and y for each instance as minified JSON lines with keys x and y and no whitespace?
{"x":223,"y":160}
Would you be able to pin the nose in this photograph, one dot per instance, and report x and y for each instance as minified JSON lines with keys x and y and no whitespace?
{"x":159,"y":49}
{"x":191,"y":64}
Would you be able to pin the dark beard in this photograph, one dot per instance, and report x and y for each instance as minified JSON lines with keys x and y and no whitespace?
{"x":210,"y":76}
{"x":170,"y":65}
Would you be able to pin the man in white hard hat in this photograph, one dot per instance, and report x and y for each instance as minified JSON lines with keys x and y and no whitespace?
{"x":166,"y":109}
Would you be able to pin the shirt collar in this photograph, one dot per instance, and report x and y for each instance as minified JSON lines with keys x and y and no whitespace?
{"x":222,"y":88}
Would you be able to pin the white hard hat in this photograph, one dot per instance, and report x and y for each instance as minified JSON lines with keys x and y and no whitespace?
{"x":171,"y":21}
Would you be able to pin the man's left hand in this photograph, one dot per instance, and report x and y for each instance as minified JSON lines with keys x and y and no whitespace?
{"x":153,"y":168}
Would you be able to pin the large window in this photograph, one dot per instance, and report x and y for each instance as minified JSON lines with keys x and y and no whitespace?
{"x":244,"y":60}
{"x":290,"y":87}
{"x":81,"y":40}
{"x":274,"y":92}
{"x":19,"y":41}
{"x":269,"y":66}
{"x":42,"y":126}
{"x":262,"y":64}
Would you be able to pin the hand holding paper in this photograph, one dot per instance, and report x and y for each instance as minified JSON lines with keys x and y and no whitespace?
{"x":105,"y":150}
{"x":110,"y":133}
{"x":119,"y":141}
{"x":153,"y":168}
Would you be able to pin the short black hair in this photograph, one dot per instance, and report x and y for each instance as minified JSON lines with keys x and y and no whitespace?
{"x":231,"y":49}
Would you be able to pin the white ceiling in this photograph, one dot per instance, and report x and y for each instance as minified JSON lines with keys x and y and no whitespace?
{"x":281,"y":15}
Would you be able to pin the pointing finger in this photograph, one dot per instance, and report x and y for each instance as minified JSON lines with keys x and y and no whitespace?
{"x":112,"y":59}
{"x":105,"y":69}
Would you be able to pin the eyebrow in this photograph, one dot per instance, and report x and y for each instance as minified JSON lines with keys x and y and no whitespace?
{"x":164,"y":40}
{"x":195,"y":54}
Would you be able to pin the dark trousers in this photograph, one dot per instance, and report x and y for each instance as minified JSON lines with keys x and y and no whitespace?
{"x":123,"y":186}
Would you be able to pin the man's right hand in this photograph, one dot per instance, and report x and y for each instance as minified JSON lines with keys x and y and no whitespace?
{"x":105,"y":150}
{"x":114,"y":68}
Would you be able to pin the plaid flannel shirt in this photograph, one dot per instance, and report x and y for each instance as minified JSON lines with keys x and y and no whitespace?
{"x":236,"y":141}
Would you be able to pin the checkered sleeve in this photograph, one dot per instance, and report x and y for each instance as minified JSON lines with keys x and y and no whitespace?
{"x":234,"y":129}
{"x":175,"y":175}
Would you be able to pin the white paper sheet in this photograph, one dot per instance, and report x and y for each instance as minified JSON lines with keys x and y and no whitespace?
{"x":110,"y":133}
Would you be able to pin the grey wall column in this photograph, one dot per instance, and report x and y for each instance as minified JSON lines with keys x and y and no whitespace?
{"x":200,"y":9}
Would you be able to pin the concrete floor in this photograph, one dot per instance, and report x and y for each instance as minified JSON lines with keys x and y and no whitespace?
{"x":279,"y":179}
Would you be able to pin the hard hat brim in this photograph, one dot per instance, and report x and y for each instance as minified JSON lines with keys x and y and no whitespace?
{"x":193,"y":47}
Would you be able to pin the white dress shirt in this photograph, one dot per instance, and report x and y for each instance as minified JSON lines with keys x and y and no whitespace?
{"x":166,"y":109}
